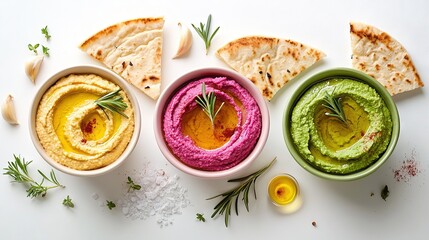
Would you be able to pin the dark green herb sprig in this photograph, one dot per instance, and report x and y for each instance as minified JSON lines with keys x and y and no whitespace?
{"x":204,"y":32}
{"x":334,"y":104}
{"x":225,"y":205}
{"x":200,"y":217}
{"x":68,"y":202}
{"x":110,"y":204}
{"x":46,"y":33}
{"x":132,"y":185}
{"x":113,"y":102}
{"x":19,"y":172}
{"x":385,"y":192}
{"x":207,"y":103}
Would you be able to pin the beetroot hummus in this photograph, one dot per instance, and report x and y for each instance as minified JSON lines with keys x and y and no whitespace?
{"x":208,"y":146}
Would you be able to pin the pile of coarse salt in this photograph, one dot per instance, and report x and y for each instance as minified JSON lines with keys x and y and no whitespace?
{"x":160,"y":197}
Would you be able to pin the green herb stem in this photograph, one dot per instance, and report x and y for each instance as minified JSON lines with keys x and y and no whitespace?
{"x":113,"y":102}
{"x":231,"y":197}
{"x":204,"y":32}
{"x":207,"y":103}
{"x":334,"y":104}
{"x":19,"y":173}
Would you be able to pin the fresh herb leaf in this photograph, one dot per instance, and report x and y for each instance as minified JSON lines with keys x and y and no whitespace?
{"x":200,"y":217}
{"x":33,"y":47}
{"x":46,"y":33}
{"x":68,"y":202}
{"x":132,"y":185}
{"x":225,"y":205}
{"x":19,"y":173}
{"x":110,"y":204}
{"x":204,"y":32}
{"x":334,"y":104}
{"x":45,"y":50}
{"x":207,"y":103}
{"x":385,"y":192}
{"x":113,"y":102}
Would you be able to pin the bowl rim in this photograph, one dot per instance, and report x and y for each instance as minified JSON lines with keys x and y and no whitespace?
{"x":84,"y":69}
{"x":207,"y":72}
{"x":355,"y":75}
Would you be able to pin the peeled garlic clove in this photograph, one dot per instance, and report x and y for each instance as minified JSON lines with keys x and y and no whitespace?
{"x":8,"y":111}
{"x":32,"y":67}
{"x":185,"y":41}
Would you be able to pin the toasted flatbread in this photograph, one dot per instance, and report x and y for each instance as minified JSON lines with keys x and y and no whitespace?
{"x":268,"y":62}
{"x":132,"y":49}
{"x":382,"y":57}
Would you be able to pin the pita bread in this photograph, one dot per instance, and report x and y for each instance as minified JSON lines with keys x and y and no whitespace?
{"x":133,"y":50}
{"x":382,"y":57}
{"x":268,"y":62}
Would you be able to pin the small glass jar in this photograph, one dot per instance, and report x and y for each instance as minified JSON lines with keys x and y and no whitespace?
{"x":284,"y":192}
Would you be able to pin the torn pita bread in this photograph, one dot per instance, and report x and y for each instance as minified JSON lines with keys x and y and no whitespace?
{"x":383,"y":58}
{"x":132,"y":49}
{"x":268,"y":62}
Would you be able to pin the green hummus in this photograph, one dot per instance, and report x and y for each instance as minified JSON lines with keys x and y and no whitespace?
{"x":335,"y":146}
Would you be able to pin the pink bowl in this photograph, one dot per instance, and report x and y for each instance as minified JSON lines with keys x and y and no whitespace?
{"x":197,"y":74}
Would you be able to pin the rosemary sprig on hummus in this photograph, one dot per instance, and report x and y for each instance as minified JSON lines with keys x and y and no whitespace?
{"x":204,"y":32}
{"x":334,"y":104}
{"x":225,"y":205}
{"x":19,"y":172}
{"x":207,"y":103}
{"x":113,"y":102}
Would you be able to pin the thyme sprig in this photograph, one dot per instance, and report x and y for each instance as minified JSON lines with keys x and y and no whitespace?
{"x":207,"y":103}
{"x":68,"y":202}
{"x":204,"y":32}
{"x":132,"y":185}
{"x":225,"y":205}
{"x":19,"y":173}
{"x":334,"y":104}
{"x":113,"y":102}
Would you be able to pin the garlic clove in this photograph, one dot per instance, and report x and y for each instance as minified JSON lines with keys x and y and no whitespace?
{"x":8,"y":111}
{"x":185,"y":41}
{"x":32,"y":67}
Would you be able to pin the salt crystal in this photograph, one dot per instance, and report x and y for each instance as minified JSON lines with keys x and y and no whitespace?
{"x":95,"y":196}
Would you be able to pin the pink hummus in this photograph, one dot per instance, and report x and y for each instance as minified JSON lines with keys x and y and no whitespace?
{"x":242,"y":140}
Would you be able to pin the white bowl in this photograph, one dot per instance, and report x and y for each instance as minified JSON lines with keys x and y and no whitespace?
{"x":197,"y":74}
{"x":107,"y":74}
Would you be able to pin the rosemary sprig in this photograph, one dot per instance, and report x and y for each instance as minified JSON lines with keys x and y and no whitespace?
{"x":207,"y":103}
{"x":113,"y":102}
{"x":204,"y":32}
{"x":19,"y":172}
{"x":225,"y":205}
{"x":334,"y":104}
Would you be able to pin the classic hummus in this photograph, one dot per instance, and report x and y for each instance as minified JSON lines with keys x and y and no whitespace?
{"x":335,"y":146}
{"x":76,"y":132}
{"x":200,"y":144}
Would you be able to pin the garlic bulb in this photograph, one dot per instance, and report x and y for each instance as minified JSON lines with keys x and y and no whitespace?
{"x":32,"y":67}
{"x":185,"y":41}
{"x":8,"y":111}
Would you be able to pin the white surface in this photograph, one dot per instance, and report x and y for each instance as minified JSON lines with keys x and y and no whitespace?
{"x":342,"y":210}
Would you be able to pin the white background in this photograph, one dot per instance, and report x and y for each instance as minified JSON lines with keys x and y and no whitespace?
{"x":342,"y":210}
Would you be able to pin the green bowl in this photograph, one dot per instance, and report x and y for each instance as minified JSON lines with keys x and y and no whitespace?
{"x":323,"y":76}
